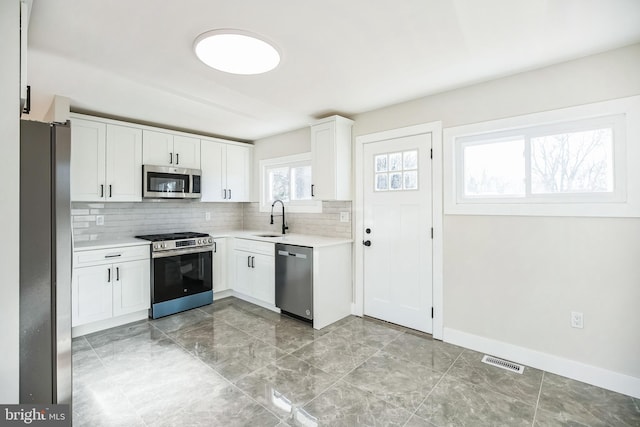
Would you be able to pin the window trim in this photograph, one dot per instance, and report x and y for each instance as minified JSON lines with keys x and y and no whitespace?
{"x":624,"y":201}
{"x":298,"y":206}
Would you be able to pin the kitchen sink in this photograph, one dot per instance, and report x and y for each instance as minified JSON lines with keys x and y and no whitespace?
{"x":268,"y":235}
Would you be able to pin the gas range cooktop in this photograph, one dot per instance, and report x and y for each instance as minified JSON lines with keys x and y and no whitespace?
{"x":172,"y":241}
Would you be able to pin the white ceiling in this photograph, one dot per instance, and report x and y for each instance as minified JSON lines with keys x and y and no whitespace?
{"x":134,"y":58}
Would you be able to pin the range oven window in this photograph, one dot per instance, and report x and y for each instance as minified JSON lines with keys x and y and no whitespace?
{"x":167,"y":182}
{"x":181,"y":275}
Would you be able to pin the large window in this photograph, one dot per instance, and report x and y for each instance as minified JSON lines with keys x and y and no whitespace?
{"x":288,"y":179}
{"x":565,"y":162}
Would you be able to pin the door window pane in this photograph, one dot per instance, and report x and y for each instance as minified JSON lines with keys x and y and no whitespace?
{"x":381,"y":163}
{"x":410,"y":160}
{"x":382,"y":182}
{"x":395,"y":161}
{"x":395,"y":181}
{"x":396,"y":171}
{"x":411,"y":180}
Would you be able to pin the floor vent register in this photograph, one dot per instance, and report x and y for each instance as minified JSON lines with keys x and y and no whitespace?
{"x":504,"y":364}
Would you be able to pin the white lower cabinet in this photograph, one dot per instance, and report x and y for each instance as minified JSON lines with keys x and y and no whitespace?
{"x":104,"y":292}
{"x":254,"y":266}
{"x":220,"y":265}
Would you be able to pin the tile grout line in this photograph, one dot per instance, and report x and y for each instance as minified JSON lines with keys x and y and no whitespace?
{"x":214,"y":370}
{"x":345,"y":375}
{"x":120,"y":389}
{"x":535,"y":411}
{"x":432,"y":389}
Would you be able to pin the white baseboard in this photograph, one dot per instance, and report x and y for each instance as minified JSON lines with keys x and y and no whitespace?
{"x":593,"y":375}
{"x":101,"y":325}
{"x":222,"y":294}
{"x":255,"y":301}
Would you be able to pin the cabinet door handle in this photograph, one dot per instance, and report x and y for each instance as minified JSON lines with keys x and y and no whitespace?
{"x":117,"y":274}
{"x":177,"y":158}
{"x":109,"y":275}
{"x":170,"y":158}
{"x":312,"y":188}
{"x":253,"y":262}
{"x":225,"y":194}
{"x":215,"y":247}
{"x":249,"y":261}
{"x":229,"y":194}
{"x":110,"y":192}
{"x":101,"y":190}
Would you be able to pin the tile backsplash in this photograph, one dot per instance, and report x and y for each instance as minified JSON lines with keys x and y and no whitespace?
{"x":326,"y":223}
{"x":100,"y":221}
{"x":151,"y":217}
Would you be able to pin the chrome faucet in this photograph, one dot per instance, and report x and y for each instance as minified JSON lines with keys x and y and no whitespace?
{"x":284,"y":226}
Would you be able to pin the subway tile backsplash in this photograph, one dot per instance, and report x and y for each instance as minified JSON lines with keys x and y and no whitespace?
{"x":326,"y":223}
{"x":121,"y":220}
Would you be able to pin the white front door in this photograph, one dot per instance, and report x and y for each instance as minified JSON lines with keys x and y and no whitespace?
{"x":397,"y":231}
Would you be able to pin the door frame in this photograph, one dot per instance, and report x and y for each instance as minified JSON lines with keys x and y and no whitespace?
{"x":435,"y":128}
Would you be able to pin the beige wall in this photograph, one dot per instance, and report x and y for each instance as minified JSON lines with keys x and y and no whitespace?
{"x":516,"y":279}
{"x":9,"y":198}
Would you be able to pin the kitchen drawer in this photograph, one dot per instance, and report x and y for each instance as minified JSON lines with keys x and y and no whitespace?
{"x":109,"y":256}
{"x":255,"y":246}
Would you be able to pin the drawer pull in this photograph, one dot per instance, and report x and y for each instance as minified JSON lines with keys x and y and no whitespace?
{"x":113,"y":256}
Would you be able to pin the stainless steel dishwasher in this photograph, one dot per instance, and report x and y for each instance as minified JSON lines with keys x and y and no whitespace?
{"x":294,"y":280}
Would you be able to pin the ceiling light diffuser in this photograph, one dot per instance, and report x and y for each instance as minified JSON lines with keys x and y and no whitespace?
{"x":236,"y":52}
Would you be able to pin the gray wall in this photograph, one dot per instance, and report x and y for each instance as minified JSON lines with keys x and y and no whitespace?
{"x":516,"y":279}
{"x":9,"y":199}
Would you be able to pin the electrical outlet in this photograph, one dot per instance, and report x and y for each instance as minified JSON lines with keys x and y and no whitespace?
{"x":577,"y":320}
{"x":100,"y":220}
{"x":207,"y":216}
{"x":344,"y":216}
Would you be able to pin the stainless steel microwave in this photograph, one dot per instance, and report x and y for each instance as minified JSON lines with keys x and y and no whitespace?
{"x":168,"y":182}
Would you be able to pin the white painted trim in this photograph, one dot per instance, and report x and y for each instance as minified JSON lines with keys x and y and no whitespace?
{"x":300,"y":206}
{"x":101,"y":325}
{"x":435,"y":128}
{"x":624,"y":203}
{"x":589,"y":374}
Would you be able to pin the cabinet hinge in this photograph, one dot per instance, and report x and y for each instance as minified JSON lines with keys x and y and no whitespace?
{"x":432,"y":153}
{"x":432,"y":312}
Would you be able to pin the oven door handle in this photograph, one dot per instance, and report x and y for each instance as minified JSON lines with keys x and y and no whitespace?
{"x":185,"y":251}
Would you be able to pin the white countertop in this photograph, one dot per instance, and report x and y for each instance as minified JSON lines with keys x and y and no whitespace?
{"x":290,"y":238}
{"x":89,"y":245}
{"x":309,"y":240}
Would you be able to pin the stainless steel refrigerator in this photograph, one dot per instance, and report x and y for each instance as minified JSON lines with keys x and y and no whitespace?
{"x":45,"y":263}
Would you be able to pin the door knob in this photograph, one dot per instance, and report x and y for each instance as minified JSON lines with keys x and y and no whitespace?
{"x":367,"y":242}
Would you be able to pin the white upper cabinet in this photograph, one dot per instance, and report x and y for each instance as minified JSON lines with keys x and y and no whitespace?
{"x":226,"y":172}
{"x":331,"y":158}
{"x":165,"y":149}
{"x":106,"y":162}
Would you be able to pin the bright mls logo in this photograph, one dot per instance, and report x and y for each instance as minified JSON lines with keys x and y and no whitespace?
{"x":37,"y":415}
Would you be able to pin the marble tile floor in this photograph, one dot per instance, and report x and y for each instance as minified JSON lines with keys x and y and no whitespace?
{"x":236,"y":364}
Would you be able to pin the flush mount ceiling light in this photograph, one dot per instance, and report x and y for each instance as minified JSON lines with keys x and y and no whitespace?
{"x":236,"y":52}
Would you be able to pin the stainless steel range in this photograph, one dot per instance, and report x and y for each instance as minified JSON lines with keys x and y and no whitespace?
{"x":181,"y":272}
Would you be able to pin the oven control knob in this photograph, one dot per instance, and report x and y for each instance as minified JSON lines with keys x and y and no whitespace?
{"x":164,"y":245}
{"x":199,"y":241}
{"x":210,"y":240}
{"x":156,"y":246}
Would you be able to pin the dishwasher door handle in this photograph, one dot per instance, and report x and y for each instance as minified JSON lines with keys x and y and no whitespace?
{"x":293,"y":254}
